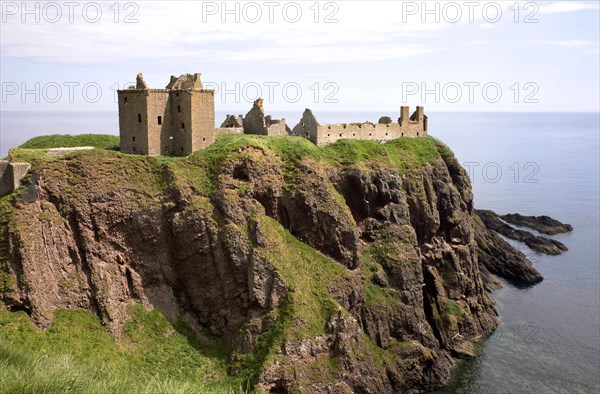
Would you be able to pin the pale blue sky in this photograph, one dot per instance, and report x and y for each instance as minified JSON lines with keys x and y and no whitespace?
{"x":375,"y":52}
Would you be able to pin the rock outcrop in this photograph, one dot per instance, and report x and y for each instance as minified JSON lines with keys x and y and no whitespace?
{"x":318,"y":274}
{"x":501,"y":259}
{"x":544,"y":245}
{"x":544,"y":224}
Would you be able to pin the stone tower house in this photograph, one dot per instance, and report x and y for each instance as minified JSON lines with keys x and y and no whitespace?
{"x":177,"y":120}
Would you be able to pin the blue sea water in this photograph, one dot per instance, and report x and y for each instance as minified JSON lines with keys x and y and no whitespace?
{"x":531,"y":163}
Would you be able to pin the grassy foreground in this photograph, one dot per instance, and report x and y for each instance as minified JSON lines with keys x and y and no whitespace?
{"x":77,"y":354}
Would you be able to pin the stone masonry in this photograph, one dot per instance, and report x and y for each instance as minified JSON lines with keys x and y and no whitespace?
{"x":177,"y":120}
{"x":255,"y":122}
{"x":180,"y":119}
{"x":11,"y":175}
{"x":413,"y":126}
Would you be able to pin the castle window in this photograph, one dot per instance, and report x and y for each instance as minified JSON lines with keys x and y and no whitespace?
{"x":386,"y":133}
{"x":133,"y":139}
{"x":203,"y":139}
{"x":182,"y":149}
{"x":402,"y":135}
{"x":125,"y":100}
{"x":177,"y":94}
{"x":340,"y":135}
{"x":134,"y":148}
{"x":183,"y":125}
{"x":329,"y":127}
{"x":328,"y":135}
{"x":370,"y":134}
{"x":179,"y":108}
{"x":139,"y":118}
{"x":353,"y":135}
{"x":160,"y":120}
{"x":417,"y":133}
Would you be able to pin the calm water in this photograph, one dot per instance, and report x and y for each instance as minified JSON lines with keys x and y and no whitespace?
{"x":549,"y":340}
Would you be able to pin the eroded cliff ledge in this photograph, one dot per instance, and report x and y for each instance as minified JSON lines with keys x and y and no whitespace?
{"x":350,"y":267}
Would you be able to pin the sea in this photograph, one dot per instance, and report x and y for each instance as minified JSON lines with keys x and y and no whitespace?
{"x":530,"y":163}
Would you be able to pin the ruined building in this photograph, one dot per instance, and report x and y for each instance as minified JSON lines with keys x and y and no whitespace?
{"x":255,"y":122}
{"x":384,"y":130}
{"x":11,"y":174}
{"x":180,"y":119}
{"x":177,"y":120}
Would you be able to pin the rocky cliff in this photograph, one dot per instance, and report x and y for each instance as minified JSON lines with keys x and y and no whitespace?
{"x":349,"y":268}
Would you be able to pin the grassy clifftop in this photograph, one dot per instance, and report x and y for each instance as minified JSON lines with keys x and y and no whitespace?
{"x":403,"y":152}
{"x":269,"y":203}
{"x":70,"y":141}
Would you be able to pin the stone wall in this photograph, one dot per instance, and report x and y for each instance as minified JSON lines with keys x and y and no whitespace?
{"x":66,"y":151}
{"x":11,"y":175}
{"x":178,"y":120}
{"x":310,"y":128}
{"x":229,"y":130}
{"x":277,"y":128}
{"x":158,"y":130}
{"x":203,"y":120}
{"x":133,"y":121}
{"x":5,"y":178}
{"x":181,"y":128}
{"x":233,"y":121}
{"x":255,"y":122}
{"x":307,"y":127}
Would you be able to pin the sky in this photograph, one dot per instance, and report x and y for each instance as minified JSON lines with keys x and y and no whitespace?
{"x":462,"y":56}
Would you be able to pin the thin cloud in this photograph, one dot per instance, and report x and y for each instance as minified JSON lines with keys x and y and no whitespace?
{"x":567,"y":6}
{"x":588,"y":47}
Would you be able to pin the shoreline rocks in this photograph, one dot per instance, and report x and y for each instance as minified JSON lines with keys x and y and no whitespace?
{"x":540,"y":244}
{"x":543,"y":224}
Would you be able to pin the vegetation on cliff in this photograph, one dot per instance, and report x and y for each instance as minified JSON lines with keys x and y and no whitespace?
{"x":70,"y":141}
{"x":268,"y":262}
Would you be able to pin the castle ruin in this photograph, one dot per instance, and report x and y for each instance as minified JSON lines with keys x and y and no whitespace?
{"x":177,"y":120}
{"x":180,"y":119}
{"x":11,"y":174}
{"x":255,"y":122}
{"x":384,"y":130}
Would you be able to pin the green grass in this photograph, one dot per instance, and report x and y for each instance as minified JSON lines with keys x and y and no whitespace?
{"x":403,"y":153}
{"x":77,"y":354}
{"x":202,"y":167}
{"x":70,"y":141}
{"x":308,"y":273}
{"x":6,"y":211}
{"x":308,"y":307}
{"x":451,"y":308}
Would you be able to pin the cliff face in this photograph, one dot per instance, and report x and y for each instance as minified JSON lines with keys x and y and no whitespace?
{"x":353,"y":267}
